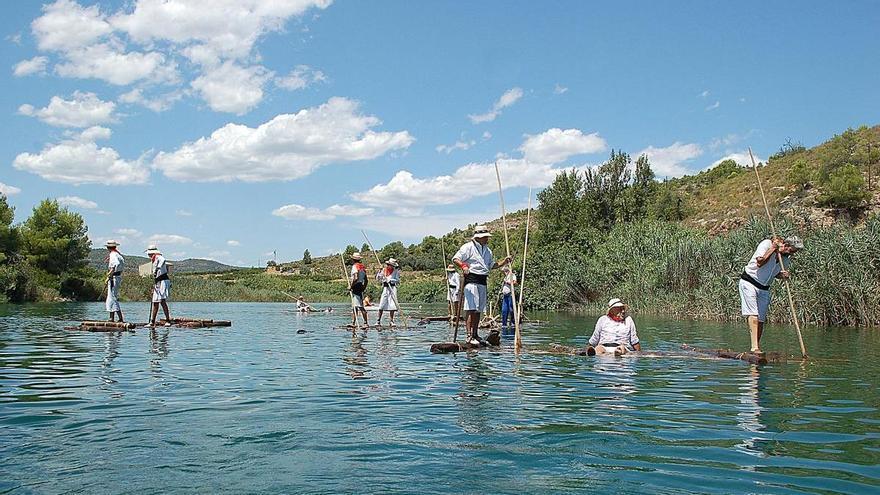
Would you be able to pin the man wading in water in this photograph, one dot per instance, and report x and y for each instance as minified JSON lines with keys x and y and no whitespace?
{"x":754,"y":284}
{"x":475,"y":260}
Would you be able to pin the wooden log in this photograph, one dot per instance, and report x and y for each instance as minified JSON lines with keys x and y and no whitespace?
{"x":108,"y":324}
{"x":573,"y":351}
{"x":493,"y":339}
{"x":772,"y":357}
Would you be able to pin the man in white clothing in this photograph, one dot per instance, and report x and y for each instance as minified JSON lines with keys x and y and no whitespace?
{"x":475,"y":260}
{"x":389,"y":277}
{"x":115,"y":265}
{"x":615,"y":332}
{"x":453,"y":294}
{"x":758,"y":274}
{"x":161,"y":285}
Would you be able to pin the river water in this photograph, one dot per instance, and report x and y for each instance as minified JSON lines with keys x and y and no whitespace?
{"x":259,"y":408}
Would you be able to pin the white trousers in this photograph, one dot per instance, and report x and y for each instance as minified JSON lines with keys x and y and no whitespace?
{"x":755,"y":301}
{"x":389,"y":295}
{"x":112,"y":302}
{"x":161,"y":290}
{"x":475,"y":298}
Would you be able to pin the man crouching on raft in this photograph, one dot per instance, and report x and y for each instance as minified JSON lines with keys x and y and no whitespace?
{"x":754,"y":283}
{"x":475,"y":260}
{"x":615,"y":332}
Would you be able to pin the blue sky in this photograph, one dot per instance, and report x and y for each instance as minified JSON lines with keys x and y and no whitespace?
{"x":231,"y":129}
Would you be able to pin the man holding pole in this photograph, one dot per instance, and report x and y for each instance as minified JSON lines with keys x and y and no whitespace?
{"x":754,"y":283}
{"x":390,"y":279}
{"x":453,"y":294}
{"x":358,"y":284}
{"x":115,"y":265}
{"x":475,"y":260}
{"x":161,"y":285}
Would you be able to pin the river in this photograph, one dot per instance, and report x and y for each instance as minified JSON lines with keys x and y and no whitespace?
{"x":260,"y":407}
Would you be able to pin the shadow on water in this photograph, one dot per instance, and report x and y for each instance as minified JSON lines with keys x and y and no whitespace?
{"x":283,"y":402}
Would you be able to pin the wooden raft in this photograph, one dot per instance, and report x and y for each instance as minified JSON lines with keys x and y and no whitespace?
{"x":494,"y":340}
{"x":770,"y":357}
{"x":196,"y":323}
{"x":103,"y":326}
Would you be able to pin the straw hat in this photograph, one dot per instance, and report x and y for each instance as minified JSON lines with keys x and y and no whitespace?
{"x":481,"y":231}
{"x":152,"y":249}
{"x":615,"y":303}
{"x":450,"y":267}
{"x":392,"y":262}
{"x":356,"y":256}
{"x":111,"y":243}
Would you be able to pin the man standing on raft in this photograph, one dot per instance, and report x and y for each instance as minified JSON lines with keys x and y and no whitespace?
{"x":390,"y":279}
{"x":161,"y":285}
{"x":754,"y":284}
{"x":115,"y":265}
{"x":475,"y":260}
{"x":358,"y":283}
{"x":453,"y":294}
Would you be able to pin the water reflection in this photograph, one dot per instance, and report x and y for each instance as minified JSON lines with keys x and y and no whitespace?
{"x":748,"y":416}
{"x":355,"y":357}
{"x":158,"y":346}
{"x":475,"y":409}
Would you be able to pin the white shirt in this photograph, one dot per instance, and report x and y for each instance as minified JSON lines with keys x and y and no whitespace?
{"x":477,"y":256}
{"x":509,"y":279}
{"x":608,"y":331}
{"x":160,"y":267}
{"x":394,"y":277}
{"x":452,"y":279}
{"x":764,"y":274}
{"x":115,"y":262}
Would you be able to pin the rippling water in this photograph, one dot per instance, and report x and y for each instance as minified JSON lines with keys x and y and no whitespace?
{"x":261,"y":408}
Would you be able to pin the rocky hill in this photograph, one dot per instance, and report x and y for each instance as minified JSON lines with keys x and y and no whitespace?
{"x":189,"y":265}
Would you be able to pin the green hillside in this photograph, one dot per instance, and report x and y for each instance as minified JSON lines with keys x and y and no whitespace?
{"x":189,"y":265}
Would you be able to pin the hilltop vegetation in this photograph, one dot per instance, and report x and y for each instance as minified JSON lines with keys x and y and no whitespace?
{"x":97,"y":260}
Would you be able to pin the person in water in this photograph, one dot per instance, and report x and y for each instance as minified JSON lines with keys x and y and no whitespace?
{"x":754,"y":283}
{"x":507,"y":297}
{"x":302,"y":306}
{"x":615,"y":332}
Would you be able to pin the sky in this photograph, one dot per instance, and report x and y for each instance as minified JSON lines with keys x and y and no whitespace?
{"x":232,"y":129}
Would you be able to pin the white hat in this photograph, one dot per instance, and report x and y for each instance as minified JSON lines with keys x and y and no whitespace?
{"x":392,"y":262}
{"x":152,"y":249}
{"x":481,"y":231}
{"x":111,"y":243}
{"x":356,"y":256}
{"x":794,"y":241}
{"x":615,"y":303}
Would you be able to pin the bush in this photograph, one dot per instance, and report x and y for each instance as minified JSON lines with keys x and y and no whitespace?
{"x":845,"y":188}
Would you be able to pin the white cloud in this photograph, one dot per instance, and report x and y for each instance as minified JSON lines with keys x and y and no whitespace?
{"x":77,"y":162}
{"x":77,"y":202}
{"x":416,"y":228}
{"x":232,"y":88}
{"x":299,"y":212}
{"x":487,"y":135}
{"x":559,"y":89}
{"x":467,"y":182}
{"x":233,"y":243}
{"x":109,"y":62}
{"x":164,"y":239}
{"x":507,"y":99}
{"x":557,"y":145}
{"x":713,"y":106}
{"x":287,"y":147}
{"x":82,"y":110}
{"x":671,"y":160}
{"x":183,"y":213}
{"x":741,"y":157}
{"x":458,"y":145}
{"x":226,"y":28}
{"x":157,"y":104}
{"x":129,"y":232}
{"x":36,"y":65}
{"x":94,"y":133}
{"x":7,"y":190}
{"x":704,"y":94}
{"x":302,"y":76}
{"x":65,"y":25}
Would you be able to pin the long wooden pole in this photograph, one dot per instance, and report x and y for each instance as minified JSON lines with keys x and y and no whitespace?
{"x":445,"y":279}
{"x":517,"y":339}
{"x":794,"y":316}
{"x":393,"y":295}
{"x":347,"y":277}
{"x":522,"y":279}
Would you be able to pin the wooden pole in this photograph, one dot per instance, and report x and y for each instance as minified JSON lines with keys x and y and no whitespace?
{"x":794,"y":316}
{"x":522,"y":279}
{"x":347,"y":277}
{"x":517,"y":339}
{"x":445,"y":280}
{"x":393,"y":295}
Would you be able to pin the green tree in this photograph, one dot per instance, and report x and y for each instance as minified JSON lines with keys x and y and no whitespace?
{"x":54,"y":239}
{"x":365,"y":248}
{"x":8,"y":233}
{"x":561,"y":207}
{"x":349,"y":250}
{"x":641,"y":192}
{"x":845,"y":188}
{"x":800,"y":174}
{"x":307,"y":257}
{"x":604,"y":201}
{"x":667,"y":205}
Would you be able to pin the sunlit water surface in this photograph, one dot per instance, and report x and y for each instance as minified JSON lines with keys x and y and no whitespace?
{"x":260,"y":407}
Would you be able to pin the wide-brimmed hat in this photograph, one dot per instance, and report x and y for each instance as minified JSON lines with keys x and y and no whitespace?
{"x":481,"y":231}
{"x":111,"y":243}
{"x":794,"y":241}
{"x":450,"y":267}
{"x":615,"y":303}
{"x":152,"y":249}
{"x":356,"y":256}
{"x":393,"y":262}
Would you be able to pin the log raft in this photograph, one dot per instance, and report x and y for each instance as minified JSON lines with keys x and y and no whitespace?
{"x":115,"y":326}
{"x":764,"y":358}
{"x":196,"y":323}
{"x":494,"y":340}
